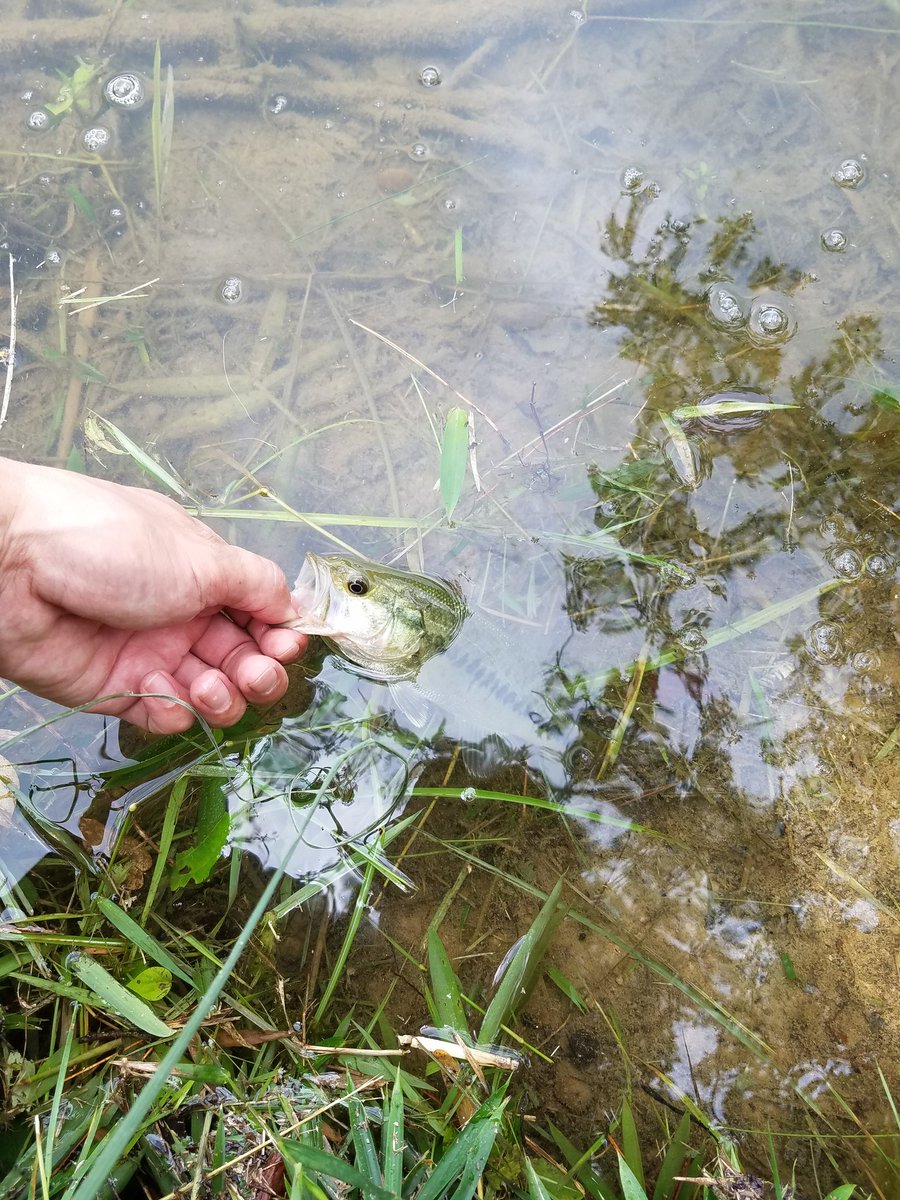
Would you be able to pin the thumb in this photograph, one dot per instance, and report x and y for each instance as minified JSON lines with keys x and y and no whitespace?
{"x":251,"y":583}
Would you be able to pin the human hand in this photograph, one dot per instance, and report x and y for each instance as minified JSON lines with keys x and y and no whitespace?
{"x":112,"y":591}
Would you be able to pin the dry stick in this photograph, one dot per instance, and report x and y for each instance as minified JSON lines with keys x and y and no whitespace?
{"x":81,"y":344}
{"x":434,"y":375}
{"x":11,"y":352}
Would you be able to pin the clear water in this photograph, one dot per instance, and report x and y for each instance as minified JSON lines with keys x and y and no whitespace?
{"x":575,"y":224}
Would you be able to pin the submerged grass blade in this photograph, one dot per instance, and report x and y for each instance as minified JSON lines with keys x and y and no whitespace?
{"x":147,"y":463}
{"x":454,"y":455}
{"x":527,"y":957}
{"x":359,"y":909}
{"x":447,"y":996}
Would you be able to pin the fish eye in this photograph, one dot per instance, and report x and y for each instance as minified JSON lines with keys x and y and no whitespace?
{"x":358,"y":585}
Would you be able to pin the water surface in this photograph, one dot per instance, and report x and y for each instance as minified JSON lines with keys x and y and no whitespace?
{"x":585,"y":227}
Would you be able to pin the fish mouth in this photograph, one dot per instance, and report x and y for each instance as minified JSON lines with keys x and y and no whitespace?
{"x":311,"y":596}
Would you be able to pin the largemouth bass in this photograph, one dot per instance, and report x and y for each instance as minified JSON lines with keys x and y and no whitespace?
{"x":402,"y":629}
{"x":385,"y":621}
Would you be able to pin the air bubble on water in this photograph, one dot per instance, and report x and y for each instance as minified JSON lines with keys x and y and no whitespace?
{"x":578,"y":759}
{"x":849,"y":174}
{"x":430,"y":77}
{"x":576,"y":15}
{"x":468,"y":795}
{"x":770,"y":321}
{"x":723,"y":308}
{"x":451,"y":204}
{"x":96,"y":139}
{"x":277,"y":104}
{"x":845,"y":561}
{"x":865,"y":661}
{"x":631,"y":180}
{"x":825,"y":642}
{"x":125,"y":90}
{"x":879,"y":565}
{"x":231,"y":290}
{"x":39,"y":120}
{"x":418,"y":151}
{"x":690,"y":637}
{"x":834,"y":240}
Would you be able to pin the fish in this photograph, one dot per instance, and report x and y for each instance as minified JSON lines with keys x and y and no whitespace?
{"x":447,"y":668}
{"x":388,"y":623}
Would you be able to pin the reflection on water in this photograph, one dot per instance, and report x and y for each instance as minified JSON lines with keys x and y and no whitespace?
{"x":658,"y":258}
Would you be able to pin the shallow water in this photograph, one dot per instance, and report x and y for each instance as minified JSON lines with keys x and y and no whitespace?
{"x":591,"y":221}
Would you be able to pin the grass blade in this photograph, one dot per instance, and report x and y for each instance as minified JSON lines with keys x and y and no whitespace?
{"x":632,"y":1188}
{"x":120,"y":1138}
{"x":631,"y":1146}
{"x":323,"y":1163}
{"x":466,"y":1158}
{"x":115,"y":996}
{"x":672,"y":1163}
{"x":364,"y":1146}
{"x":392,"y":1139}
{"x":454,"y":455}
{"x":141,"y":939}
{"x":448,"y":1007}
{"x":513,"y":985}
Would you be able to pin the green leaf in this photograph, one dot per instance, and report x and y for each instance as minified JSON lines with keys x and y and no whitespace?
{"x":114,"y":997}
{"x":513,"y":985}
{"x":153,"y":983}
{"x":566,"y":986}
{"x":392,"y":1139}
{"x":140,"y":938}
{"x":632,"y":1189}
{"x":843,"y":1192}
{"x":364,"y":1146}
{"x":884,"y":398}
{"x":314,"y":1159}
{"x":454,"y":455}
{"x":448,"y":1007}
{"x":631,"y":1146}
{"x":726,"y":408}
{"x":213,"y":826}
{"x":673,"y":1161}
{"x":467,"y":1156}
{"x":536,"y":1189}
{"x":82,"y":203}
{"x":195,"y":865}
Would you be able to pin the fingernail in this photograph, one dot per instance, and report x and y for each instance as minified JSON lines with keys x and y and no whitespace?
{"x":160,"y":686}
{"x":216,"y":696}
{"x":266,"y":681}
